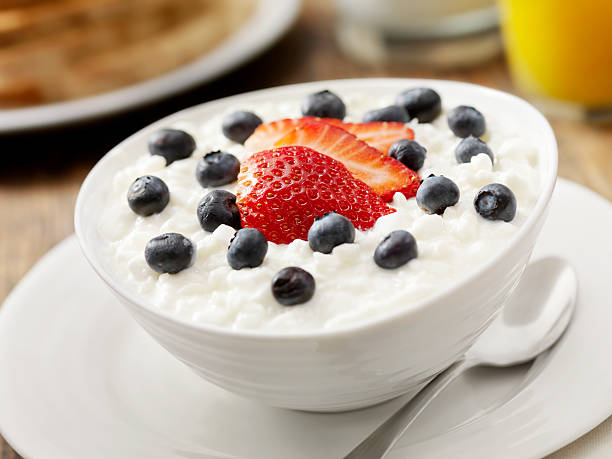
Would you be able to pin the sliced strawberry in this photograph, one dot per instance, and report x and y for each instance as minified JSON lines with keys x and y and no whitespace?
{"x":281,"y":191}
{"x":378,"y":134}
{"x":266,"y":134}
{"x":384,"y":174}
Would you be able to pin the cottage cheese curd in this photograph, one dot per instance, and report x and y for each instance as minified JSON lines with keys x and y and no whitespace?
{"x":350,"y":287}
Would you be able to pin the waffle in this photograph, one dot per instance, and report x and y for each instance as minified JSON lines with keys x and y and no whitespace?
{"x":57,"y":50}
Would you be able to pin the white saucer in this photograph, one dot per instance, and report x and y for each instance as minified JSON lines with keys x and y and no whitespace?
{"x":270,"y":20}
{"x":79,"y":378}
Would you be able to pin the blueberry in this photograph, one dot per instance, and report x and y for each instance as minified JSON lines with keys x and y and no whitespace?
{"x":218,"y":208}
{"x":465,"y":121}
{"x":172,"y":144}
{"x":169,"y":253}
{"x":247,"y":249}
{"x":217,"y":168}
{"x":423,"y":104}
{"x":292,"y":286}
{"x":390,"y":113}
{"x":329,"y":231}
{"x":397,"y":249}
{"x":238,"y":126}
{"x":496,"y":202}
{"x":436,"y":194}
{"x":324,"y":104}
{"x":469,"y":147}
{"x":408,"y":152}
{"x":148,"y":195}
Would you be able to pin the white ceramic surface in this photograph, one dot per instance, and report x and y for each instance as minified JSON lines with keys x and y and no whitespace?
{"x":356,"y":366}
{"x":268,"y":23}
{"x":421,"y":20}
{"x":79,"y":378}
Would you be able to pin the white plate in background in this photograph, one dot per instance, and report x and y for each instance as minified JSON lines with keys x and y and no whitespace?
{"x":270,"y":20}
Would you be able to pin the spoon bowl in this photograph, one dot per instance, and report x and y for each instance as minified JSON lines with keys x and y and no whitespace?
{"x":534,"y":317}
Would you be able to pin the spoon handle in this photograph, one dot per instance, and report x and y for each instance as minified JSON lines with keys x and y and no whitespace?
{"x":379,"y":442}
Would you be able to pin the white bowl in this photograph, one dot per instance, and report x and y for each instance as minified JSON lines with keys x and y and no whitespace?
{"x":351,"y":367}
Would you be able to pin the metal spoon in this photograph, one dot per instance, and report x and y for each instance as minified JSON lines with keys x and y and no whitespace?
{"x":534,"y":318}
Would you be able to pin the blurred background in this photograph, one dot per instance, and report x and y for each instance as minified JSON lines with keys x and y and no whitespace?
{"x":78,"y":76}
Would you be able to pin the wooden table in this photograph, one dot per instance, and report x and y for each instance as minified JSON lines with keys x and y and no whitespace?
{"x":41,"y":172}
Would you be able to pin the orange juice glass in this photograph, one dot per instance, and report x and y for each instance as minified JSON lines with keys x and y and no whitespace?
{"x":561,"y":49}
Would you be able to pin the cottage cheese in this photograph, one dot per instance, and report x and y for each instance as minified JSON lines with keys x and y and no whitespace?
{"x":350,"y":287}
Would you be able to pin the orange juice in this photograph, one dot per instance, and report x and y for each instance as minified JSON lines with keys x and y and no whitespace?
{"x":561,"y":48}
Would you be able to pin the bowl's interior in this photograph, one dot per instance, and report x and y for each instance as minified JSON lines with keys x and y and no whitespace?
{"x":535,"y":129}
